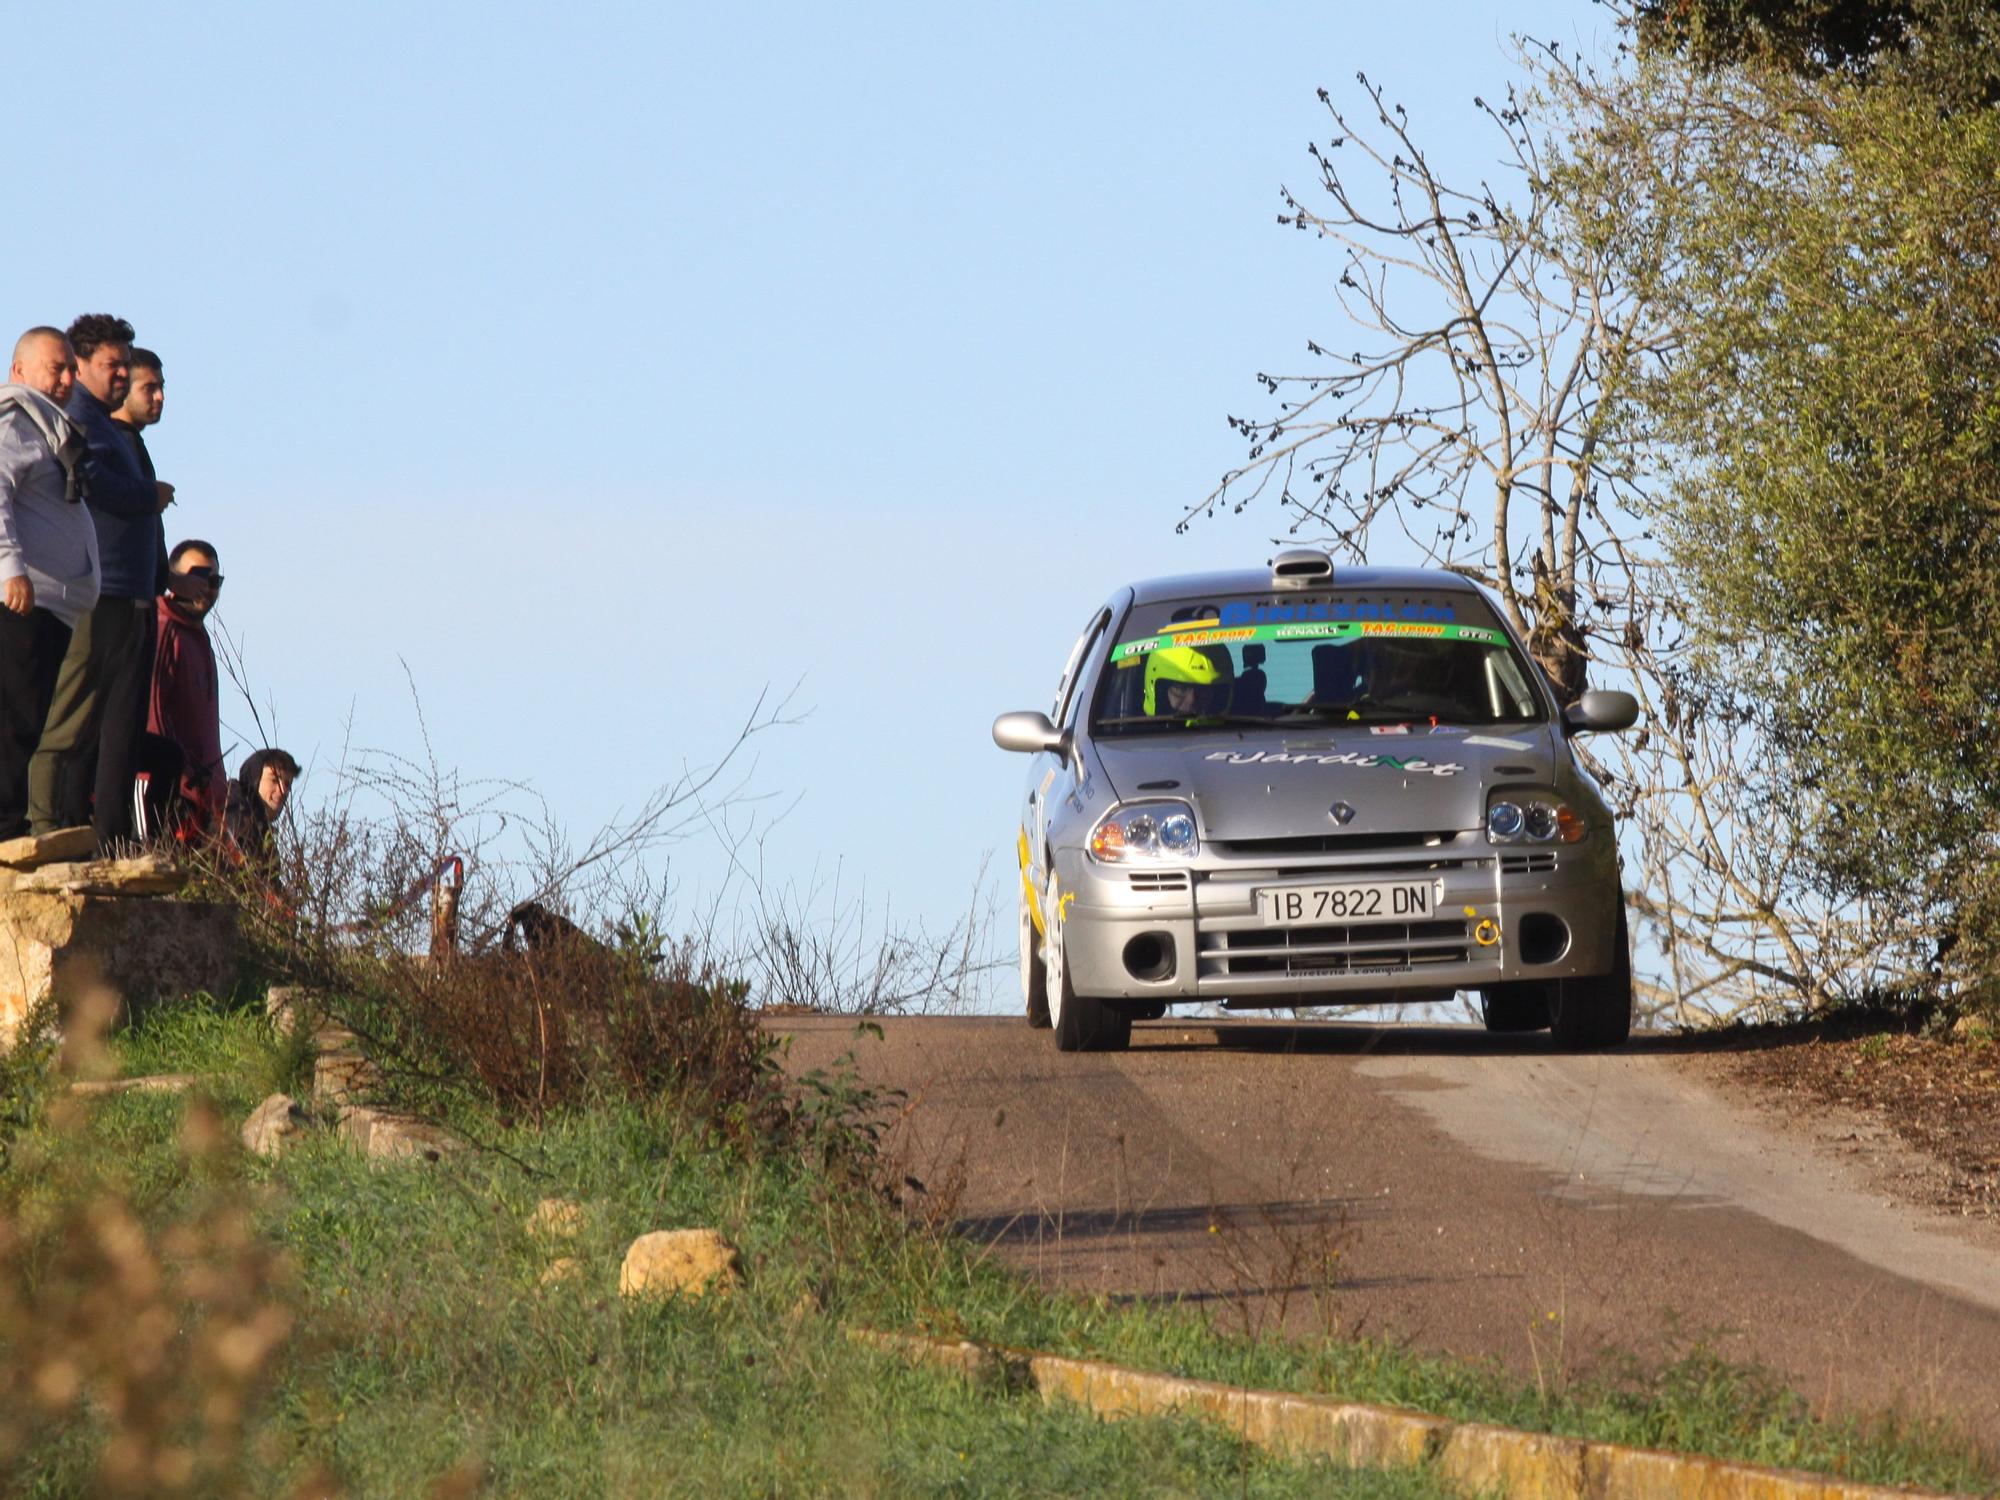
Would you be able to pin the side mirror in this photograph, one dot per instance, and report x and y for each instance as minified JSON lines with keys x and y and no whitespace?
{"x":1029,"y":732}
{"x":1597,"y":710}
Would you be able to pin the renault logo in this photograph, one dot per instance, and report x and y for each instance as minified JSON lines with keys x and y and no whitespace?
{"x":1342,"y":813}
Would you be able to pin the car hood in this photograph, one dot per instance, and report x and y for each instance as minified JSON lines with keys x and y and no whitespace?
{"x":1266,"y":785}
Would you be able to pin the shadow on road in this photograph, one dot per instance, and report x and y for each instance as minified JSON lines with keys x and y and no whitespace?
{"x":1029,"y":1227}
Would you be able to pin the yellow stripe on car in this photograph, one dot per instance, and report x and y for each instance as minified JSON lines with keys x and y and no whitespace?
{"x":1028,"y":888}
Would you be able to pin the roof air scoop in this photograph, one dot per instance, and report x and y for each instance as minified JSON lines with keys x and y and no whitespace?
{"x":1300,"y":568}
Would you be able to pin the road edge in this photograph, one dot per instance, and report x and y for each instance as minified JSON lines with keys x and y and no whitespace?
{"x":1474,"y":1457}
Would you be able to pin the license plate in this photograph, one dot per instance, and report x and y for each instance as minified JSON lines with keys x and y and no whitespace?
{"x":1306,"y":905}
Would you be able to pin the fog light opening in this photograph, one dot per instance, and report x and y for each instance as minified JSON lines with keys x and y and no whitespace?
{"x":1149,"y":957}
{"x":1543,"y":938}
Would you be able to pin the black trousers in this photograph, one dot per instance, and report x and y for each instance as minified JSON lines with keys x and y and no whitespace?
{"x":128,"y":692}
{"x":161,"y":762}
{"x":31,"y":649}
{"x":83,"y":770}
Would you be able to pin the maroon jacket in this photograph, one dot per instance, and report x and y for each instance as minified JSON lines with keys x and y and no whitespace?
{"x":186,"y":708}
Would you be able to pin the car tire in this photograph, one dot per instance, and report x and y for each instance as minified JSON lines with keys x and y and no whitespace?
{"x":1082,"y":1023}
{"x":1034,"y":974}
{"x":1596,"y":1010}
{"x":1521,"y":1005}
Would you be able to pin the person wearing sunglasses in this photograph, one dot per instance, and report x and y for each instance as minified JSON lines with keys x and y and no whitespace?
{"x":185,"y":707}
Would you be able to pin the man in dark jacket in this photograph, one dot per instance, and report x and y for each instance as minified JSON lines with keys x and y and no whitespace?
{"x":145,"y":400}
{"x":99,"y":708}
{"x":185,"y":705}
{"x":256,"y":799}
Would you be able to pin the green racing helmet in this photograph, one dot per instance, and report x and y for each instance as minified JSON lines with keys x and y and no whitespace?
{"x":1177,"y":664}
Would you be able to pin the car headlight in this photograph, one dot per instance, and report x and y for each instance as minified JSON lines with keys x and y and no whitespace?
{"x":1533,"y":818}
{"x":1162,"y":829}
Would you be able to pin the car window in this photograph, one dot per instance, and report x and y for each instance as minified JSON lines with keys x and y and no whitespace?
{"x":1066,"y":695}
{"x":1335,"y":657}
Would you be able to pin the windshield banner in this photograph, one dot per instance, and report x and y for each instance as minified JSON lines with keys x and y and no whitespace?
{"x":1213,"y":633}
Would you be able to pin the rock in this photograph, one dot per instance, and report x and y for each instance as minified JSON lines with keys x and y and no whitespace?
{"x":291,"y":1005}
{"x":556,"y":1219}
{"x":679,"y":1263}
{"x":141,"y":875}
{"x":151,"y":1083}
{"x":273,"y":1125}
{"x":384,"y":1135}
{"x":342,"y":1075}
{"x":563,"y":1268}
{"x":63,"y":944}
{"x":35,"y":850}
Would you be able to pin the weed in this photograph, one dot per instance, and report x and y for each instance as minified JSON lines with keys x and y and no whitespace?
{"x":139,"y":1309}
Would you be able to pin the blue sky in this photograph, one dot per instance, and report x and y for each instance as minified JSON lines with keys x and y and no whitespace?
{"x":605,"y":363}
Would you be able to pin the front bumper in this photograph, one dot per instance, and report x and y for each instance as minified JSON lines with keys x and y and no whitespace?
{"x":1498,"y":914}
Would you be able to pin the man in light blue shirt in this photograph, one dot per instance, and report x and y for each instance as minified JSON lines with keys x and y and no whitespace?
{"x":49,"y":573}
{"x":89,"y":746}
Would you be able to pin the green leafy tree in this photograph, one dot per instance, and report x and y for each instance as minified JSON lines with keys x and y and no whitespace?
{"x":1699,"y":383}
{"x":1808,"y":36}
{"x":1835,"y":405}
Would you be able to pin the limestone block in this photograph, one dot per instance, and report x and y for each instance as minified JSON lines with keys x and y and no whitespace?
{"x":562,"y":1268}
{"x":146,"y":950}
{"x":291,"y":1005}
{"x":273,"y":1125}
{"x":679,"y":1263}
{"x":556,"y":1219}
{"x":342,"y":1075}
{"x":384,"y":1135}
{"x":151,"y":1083}
{"x":141,"y":875}
{"x":34,"y":850}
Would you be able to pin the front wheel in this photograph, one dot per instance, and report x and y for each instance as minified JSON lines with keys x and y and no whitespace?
{"x":1520,"y":1005}
{"x":1596,"y":1010}
{"x":1081,"y":1022}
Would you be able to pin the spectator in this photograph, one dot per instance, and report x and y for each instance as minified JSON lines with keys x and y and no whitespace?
{"x":144,"y":401}
{"x":48,"y":552}
{"x":99,"y":709}
{"x":262,"y":787}
{"x":185,"y":703}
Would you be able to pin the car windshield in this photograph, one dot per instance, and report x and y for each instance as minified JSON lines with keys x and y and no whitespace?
{"x":1303,"y":658}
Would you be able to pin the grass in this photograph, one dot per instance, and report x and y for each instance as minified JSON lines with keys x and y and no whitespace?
{"x":427,"y":1345}
{"x":427,"y":1348}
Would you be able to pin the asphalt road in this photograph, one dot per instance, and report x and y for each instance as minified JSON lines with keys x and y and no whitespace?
{"x":1460,"y":1192}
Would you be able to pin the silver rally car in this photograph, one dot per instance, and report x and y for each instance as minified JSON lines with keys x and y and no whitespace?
{"x":1315,"y":786}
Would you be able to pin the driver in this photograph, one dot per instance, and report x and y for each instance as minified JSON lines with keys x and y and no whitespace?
{"x":1401,"y":669}
{"x":1177,"y":682}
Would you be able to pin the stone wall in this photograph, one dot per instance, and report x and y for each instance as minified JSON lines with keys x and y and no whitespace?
{"x":145,"y":947}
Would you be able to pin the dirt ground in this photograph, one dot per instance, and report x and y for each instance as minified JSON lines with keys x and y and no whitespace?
{"x":1937,"y":1095}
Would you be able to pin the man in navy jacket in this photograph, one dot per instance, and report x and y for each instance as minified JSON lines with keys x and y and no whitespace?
{"x":91,"y":739}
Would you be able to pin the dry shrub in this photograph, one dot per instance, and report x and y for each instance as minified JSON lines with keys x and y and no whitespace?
{"x":567,"y":1024}
{"x":146,"y":1346}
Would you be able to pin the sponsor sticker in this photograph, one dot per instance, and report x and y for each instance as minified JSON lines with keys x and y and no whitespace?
{"x":1208,"y":633}
{"x":1414,"y":765}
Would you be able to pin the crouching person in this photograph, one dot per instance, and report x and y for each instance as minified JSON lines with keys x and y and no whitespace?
{"x":257,"y":799}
